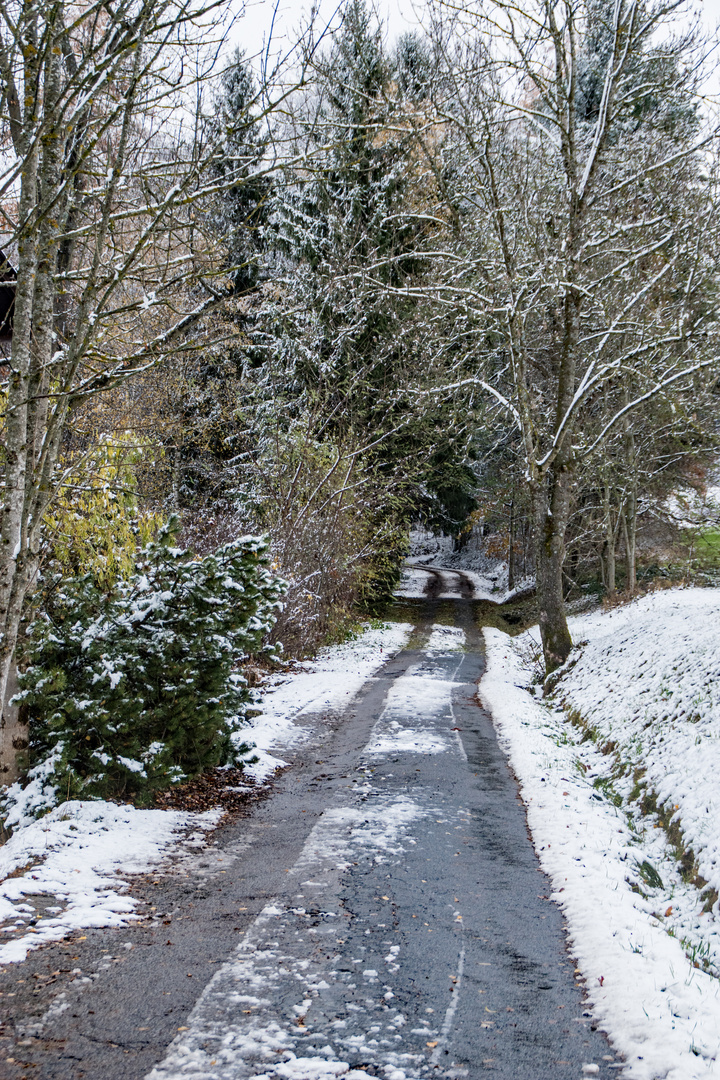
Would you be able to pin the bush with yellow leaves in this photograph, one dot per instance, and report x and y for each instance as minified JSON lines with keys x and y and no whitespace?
{"x":96,"y":524}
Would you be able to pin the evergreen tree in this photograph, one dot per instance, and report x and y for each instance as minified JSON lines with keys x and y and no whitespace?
{"x":133,"y":690}
{"x":651,"y":88}
{"x":242,"y":143}
{"x":354,"y":229}
{"x":413,"y":67}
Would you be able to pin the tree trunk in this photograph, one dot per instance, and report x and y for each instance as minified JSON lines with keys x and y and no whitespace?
{"x":630,"y":510}
{"x":13,"y":732}
{"x":176,"y":479}
{"x":629,"y":522}
{"x":511,"y":548}
{"x":609,"y":579}
{"x":610,"y":576}
{"x":551,"y":499}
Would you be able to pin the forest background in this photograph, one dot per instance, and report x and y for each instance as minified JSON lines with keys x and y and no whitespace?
{"x":468,"y":280}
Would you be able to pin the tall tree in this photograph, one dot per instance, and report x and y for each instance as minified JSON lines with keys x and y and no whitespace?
{"x":592,"y":282}
{"x":99,"y":185}
{"x":240,"y":137}
{"x":355,"y":229}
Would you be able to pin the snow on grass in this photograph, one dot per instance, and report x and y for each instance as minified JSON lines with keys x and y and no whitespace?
{"x":75,"y":856}
{"x":644,"y":695}
{"x":649,"y":680}
{"x":326,"y":684}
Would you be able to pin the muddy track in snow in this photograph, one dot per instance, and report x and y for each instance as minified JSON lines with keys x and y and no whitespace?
{"x":440,"y":581}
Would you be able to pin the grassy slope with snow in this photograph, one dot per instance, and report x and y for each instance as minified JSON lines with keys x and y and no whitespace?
{"x":633,"y":724}
{"x":649,"y":681}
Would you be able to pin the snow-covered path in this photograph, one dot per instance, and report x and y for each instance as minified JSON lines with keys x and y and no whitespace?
{"x":381,"y":914}
{"x":445,"y":583}
{"x":410,"y":940}
{"x":281,"y":970}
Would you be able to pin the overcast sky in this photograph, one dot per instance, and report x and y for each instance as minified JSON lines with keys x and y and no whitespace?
{"x":253,"y":27}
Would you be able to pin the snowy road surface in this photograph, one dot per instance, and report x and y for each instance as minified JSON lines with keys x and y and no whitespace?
{"x":381,"y":914}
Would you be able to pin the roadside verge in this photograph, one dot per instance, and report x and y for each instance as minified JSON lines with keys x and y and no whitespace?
{"x":613,"y":778}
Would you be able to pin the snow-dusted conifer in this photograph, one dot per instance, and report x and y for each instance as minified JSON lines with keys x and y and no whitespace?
{"x":131,"y":691}
{"x":240,"y":144}
{"x":355,"y":226}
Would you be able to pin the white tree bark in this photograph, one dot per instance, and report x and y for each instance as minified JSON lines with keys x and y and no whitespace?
{"x":99,"y":185}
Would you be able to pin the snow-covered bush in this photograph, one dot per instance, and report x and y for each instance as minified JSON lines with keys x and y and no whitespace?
{"x":129,"y":691}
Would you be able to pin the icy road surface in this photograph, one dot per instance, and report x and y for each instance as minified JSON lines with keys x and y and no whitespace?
{"x":382,"y":914}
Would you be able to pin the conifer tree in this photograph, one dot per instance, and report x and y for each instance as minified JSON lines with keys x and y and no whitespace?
{"x":355,"y":228}
{"x":241,"y":145}
{"x":130,"y":690}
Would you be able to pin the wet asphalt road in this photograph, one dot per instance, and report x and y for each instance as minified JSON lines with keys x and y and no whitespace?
{"x":383,"y":907}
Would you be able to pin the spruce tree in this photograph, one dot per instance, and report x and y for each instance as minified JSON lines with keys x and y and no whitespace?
{"x":242,"y":143}
{"x":130,"y":691}
{"x":354,"y":227}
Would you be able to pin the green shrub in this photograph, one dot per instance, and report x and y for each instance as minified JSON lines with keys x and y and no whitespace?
{"x":130,"y":691}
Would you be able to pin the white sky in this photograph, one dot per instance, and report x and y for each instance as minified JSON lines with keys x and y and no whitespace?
{"x":252,"y":29}
{"x":711,"y":12}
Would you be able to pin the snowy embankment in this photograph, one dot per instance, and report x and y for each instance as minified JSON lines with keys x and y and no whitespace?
{"x":68,"y":871}
{"x":618,"y":769}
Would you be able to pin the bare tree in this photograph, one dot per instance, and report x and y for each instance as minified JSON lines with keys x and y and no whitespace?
{"x":101,"y":195}
{"x":583,"y":177}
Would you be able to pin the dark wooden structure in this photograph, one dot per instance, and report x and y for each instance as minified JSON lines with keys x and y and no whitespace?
{"x":8,"y":279}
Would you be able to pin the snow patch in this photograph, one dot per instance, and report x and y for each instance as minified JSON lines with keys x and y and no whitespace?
{"x":283,"y":956}
{"x":647,"y":681}
{"x":76,"y":854}
{"x":396,"y":739}
{"x":413,"y":583}
{"x":445,"y":639}
{"x":414,"y":705}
